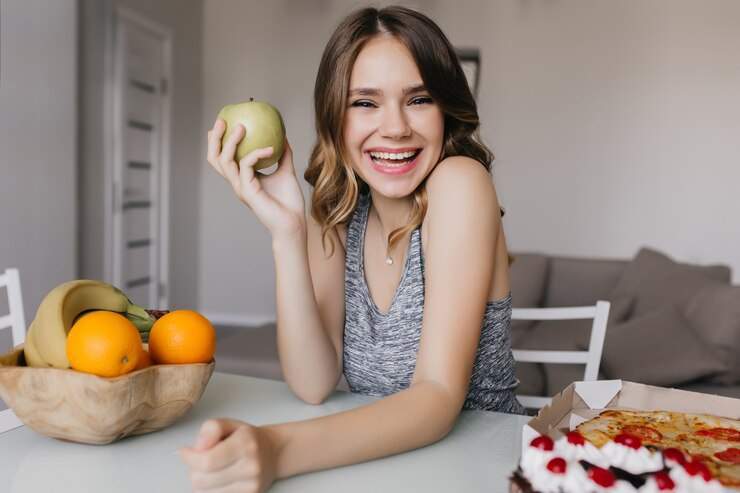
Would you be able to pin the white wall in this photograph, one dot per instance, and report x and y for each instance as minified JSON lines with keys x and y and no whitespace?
{"x":38,"y":132}
{"x":184,"y":19}
{"x":615,"y":125}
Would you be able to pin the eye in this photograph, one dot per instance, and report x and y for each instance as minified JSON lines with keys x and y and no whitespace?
{"x":422,"y":100}
{"x":363,"y":104}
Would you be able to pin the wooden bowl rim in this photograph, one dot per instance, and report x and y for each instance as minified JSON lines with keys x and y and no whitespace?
{"x":155,"y":367}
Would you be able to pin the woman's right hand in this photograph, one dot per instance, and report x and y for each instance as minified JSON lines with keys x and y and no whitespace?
{"x":276,"y":199}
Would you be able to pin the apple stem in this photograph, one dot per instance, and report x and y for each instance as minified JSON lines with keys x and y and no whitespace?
{"x":251,"y":99}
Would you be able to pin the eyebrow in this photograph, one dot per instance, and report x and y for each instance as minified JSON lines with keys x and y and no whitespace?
{"x":368,"y":91}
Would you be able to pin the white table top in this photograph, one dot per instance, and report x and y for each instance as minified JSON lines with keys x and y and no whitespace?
{"x":478,"y":455}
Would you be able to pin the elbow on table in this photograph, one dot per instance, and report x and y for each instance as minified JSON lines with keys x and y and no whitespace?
{"x":311,"y":394}
{"x":445,"y":407}
{"x":313,"y":399}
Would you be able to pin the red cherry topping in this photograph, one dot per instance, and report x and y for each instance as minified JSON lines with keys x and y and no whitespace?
{"x":557,"y":465}
{"x":542,"y":442}
{"x":675,"y":455}
{"x":664,"y":481}
{"x":575,"y":438}
{"x":628,"y":440}
{"x":696,"y":468}
{"x":602,"y":477}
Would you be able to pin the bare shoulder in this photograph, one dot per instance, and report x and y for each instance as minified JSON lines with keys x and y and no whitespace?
{"x":462,"y":184}
{"x":316,"y":241}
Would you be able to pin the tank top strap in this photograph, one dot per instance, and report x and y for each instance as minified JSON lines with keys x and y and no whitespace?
{"x":355,"y":234}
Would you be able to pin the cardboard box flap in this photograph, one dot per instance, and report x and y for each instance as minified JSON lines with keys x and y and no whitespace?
{"x":598,"y":394}
{"x":649,"y":398}
{"x":549,"y":418}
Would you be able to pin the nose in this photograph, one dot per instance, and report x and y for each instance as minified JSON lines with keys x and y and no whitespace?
{"x":394,"y":123}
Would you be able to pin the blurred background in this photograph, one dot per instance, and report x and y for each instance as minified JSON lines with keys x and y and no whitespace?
{"x":615,"y":125}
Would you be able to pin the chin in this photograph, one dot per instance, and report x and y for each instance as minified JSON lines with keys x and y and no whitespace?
{"x":394,"y":190}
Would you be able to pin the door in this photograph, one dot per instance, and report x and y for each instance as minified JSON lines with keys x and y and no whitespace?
{"x":140,"y":167}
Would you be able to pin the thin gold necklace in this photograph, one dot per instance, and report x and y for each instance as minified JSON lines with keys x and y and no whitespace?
{"x":389,"y":258}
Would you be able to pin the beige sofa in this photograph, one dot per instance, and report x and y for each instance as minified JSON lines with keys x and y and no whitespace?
{"x":670,"y":324}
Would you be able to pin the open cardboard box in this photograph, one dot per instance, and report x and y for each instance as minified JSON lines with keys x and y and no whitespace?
{"x":581,"y":401}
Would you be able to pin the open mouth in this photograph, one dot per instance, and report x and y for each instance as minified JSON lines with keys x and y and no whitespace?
{"x":393,"y":159}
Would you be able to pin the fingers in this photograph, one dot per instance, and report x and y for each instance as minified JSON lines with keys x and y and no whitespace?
{"x":213,"y":431}
{"x":214,"y":141}
{"x":286,"y":160}
{"x":206,"y":478}
{"x":222,"y":158}
{"x":244,"y":472}
{"x":229,"y":147}
{"x":246,"y":165}
{"x":225,"y":455}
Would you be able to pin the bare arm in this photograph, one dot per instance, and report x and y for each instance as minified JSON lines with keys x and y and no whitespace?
{"x":462,"y":226}
{"x":310,"y":313}
{"x":309,"y":324}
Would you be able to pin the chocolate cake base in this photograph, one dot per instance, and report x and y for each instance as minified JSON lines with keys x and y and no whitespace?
{"x":518,"y":484}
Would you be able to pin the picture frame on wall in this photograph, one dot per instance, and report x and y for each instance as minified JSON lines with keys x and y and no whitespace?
{"x":470,"y":61}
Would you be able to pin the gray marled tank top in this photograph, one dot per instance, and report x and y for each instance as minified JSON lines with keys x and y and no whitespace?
{"x":380,"y":348}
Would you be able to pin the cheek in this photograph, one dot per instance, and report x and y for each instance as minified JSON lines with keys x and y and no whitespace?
{"x":431,"y":126}
{"x":440,"y":126}
{"x":354,"y":131}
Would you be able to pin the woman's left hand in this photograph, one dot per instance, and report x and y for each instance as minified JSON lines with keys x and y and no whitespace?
{"x":230,"y":455}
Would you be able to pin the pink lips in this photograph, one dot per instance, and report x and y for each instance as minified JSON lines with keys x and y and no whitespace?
{"x":395,"y":170}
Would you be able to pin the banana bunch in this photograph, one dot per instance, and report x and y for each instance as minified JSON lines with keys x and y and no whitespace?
{"x":46,"y":339}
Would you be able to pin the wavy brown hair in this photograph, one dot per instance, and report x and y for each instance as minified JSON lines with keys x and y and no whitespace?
{"x":336,"y":188}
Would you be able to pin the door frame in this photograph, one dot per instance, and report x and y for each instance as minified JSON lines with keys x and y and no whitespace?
{"x":113,"y":140}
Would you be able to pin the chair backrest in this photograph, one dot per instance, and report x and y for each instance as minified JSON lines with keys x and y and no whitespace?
{"x":15,"y":320}
{"x":590,"y":358}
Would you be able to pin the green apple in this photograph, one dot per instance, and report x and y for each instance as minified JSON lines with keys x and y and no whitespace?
{"x":265,"y":128}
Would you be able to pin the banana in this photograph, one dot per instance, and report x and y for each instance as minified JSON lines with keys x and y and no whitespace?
{"x":60,"y":308}
{"x":30,"y":352}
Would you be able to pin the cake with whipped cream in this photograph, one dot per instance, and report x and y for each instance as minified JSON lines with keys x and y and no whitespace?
{"x":572,"y":464}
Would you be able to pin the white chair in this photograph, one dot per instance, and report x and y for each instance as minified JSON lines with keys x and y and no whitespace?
{"x":16,"y":322}
{"x":591,"y":358}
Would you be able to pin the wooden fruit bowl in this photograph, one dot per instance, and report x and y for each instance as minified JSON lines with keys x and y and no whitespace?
{"x":85,"y":408}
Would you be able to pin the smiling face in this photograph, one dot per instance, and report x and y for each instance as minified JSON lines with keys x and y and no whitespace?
{"x":392,"y":130}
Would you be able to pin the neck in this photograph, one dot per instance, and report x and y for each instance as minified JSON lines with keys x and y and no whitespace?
{"x":393,"y":213}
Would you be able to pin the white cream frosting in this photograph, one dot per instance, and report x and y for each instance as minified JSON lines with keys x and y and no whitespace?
{"x":695,"y":484}
{"x":533,"y":465}
{"x":636,"y":461}
{"x":573,"y":453}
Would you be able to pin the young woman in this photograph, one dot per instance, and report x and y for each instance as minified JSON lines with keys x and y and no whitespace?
{"x":399,"y":277}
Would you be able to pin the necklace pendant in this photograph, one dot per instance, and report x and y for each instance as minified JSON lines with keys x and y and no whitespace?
{"x":389,"y":261}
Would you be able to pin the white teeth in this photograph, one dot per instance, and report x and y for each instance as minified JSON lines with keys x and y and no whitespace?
{"x":392,"y":155}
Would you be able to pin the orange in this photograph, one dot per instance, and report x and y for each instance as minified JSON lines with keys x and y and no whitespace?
{"x":104,"y":343}
{"x":145,"y":361}
{"x":182,"y":336}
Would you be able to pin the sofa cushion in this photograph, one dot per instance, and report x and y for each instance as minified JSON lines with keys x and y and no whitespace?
{"x":531,"y":378}
{"x":579,"y":282}
{"x":655,"y":280}
{"x":527,"y":278}
{"x":714,"y":314}
{"x":658,"y":348}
